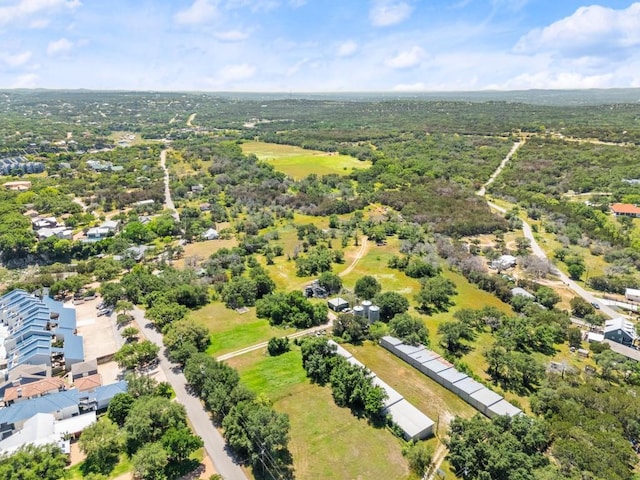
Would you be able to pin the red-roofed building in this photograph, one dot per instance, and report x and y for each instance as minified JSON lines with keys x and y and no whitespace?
{"x":625,"y":210}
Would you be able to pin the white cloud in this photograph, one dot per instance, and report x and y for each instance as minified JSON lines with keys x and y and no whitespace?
{"x":39,"y":23}
{"x":200,"y":11}
{"x":384,"y":13}
{"x":28,"y":80}
{"x":406,"y":59}
{"x":21,"y":9}
{"x":560,"y":80}
{"x":590,"y":29}
{"x":231,"y":35}
{"x":236,"y":73}
{"x":410,"y":87}
{"x":346,"y":49}
{"x":58,"y":47}
{"x":16,"y":59}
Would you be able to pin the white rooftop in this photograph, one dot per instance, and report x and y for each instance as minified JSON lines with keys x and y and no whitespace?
{"x":43,"y":428}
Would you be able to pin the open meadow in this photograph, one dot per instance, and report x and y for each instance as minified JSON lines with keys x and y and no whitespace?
{"x":298,"y":162}
{"x":349,"y":447}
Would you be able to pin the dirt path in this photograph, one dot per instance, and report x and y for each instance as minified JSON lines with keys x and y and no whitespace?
{"x":168,"y":201}
{"x":191,"y":119}
{"x":364,"y":248}
{"x":257,"y":346}
{"x":437,"y":459}
{"x":503,"y":164}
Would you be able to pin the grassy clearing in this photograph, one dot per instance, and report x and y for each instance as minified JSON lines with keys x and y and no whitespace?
{"x":375,"y":263}
{"x":202,"y":250}
{"x":231,"y":331}
{"x":123,"y":466}
{"x":297,"y":162}
{"x":326,"y":441}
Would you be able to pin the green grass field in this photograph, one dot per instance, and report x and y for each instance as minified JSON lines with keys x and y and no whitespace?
{"x":297,"y":162}
{"x":231,"y":330}
{"x":327,"y":441}
{"x":122,"y":467}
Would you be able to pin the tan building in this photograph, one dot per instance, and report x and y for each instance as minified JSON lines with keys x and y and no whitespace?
{"x":18,"y":186}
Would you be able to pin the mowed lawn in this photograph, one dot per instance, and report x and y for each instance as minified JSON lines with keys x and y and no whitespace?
{"x":327,"y":441}
{"x":298,"y":162}
{"x":231,"y":331}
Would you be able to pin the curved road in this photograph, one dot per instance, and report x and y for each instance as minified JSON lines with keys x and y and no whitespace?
{"x":214,"y":444}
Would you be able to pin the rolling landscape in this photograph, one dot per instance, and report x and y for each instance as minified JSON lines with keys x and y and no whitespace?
{"x":293,"y":239}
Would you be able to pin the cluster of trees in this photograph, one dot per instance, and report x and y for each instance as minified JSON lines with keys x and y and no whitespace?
{"x":446,"y":207}
{"x":243,"y":291}
{"x":576,"y":412}
{"x":168,"y":296}
{"x":510,"y":362}
{"x":291,"y":309}
{"x":46,"y":462}
{"x":504,"y":448}
{"x":351,"y":385}
{"x":145,"y":425}
{"x":251,"y":427}
{"x":317,"y":260}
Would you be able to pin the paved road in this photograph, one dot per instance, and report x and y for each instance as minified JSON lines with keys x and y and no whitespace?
{"x":539,"y":252}
{"x":535,"y":247}
{"x":214,"y":444}
{"x":168,"y":201}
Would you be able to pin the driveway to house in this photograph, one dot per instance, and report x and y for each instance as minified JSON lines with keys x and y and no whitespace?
{"x":214,"y":444}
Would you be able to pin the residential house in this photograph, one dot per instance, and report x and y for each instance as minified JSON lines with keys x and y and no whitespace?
{"x":44,"y":428}
{"x":18,"y":165}
{"x":106,"y":229}
{"x":205,"y":207}
{"x":98,"y":166}
{"x":40,"y":331}
{"x":33,"y":389}
{"x":62,"y":405}
{"x":625,"y":210}
{"x":62,"y":233}
{"x":44,"y":222}
{"x":620,"y":330}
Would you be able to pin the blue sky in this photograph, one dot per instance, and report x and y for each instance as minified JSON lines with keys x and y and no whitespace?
{"x":319,"y":45}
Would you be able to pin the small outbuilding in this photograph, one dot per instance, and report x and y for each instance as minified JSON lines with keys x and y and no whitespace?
{"x":632,"y":294}
{"x":414,"y":424}
{"x":503,"y":408}
{"x":211,"y":234}
{"x":483,"y":399}
{"x":338,"y":304}
{"x":522,"y":292}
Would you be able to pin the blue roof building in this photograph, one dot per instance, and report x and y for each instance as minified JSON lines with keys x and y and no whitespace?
{"x":33,"y":325}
